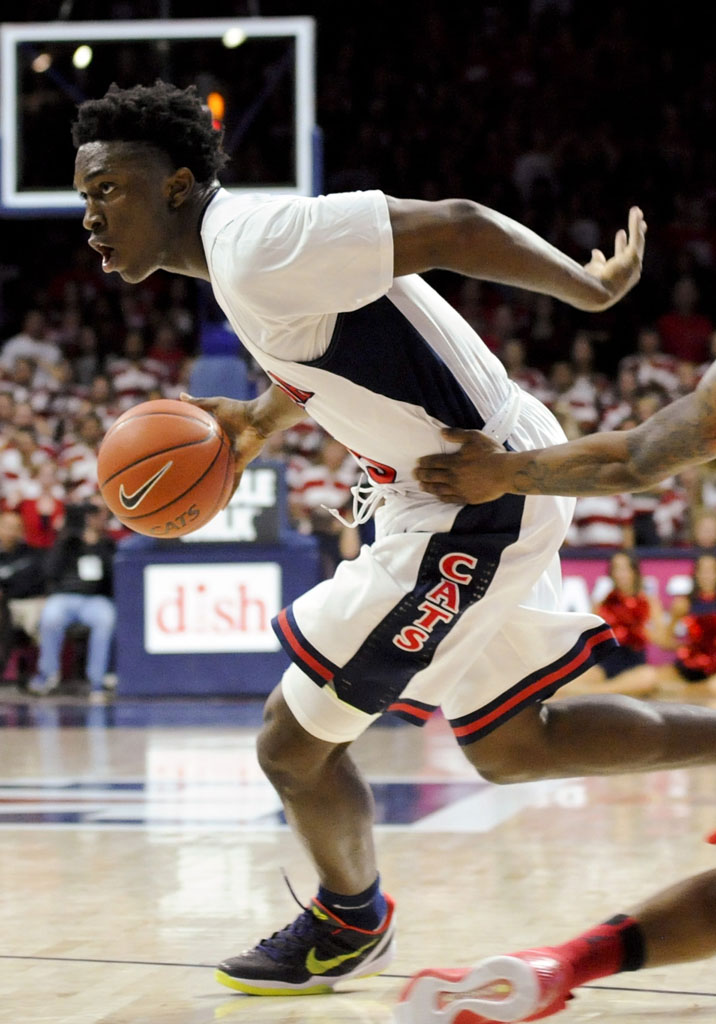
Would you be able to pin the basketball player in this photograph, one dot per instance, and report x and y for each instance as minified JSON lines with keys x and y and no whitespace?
{"x":453,"y":606}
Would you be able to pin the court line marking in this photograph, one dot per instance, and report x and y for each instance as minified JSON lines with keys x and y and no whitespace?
{"x":398,"y":977}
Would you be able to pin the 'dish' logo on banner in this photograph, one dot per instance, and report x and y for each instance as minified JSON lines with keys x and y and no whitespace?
{"x":211,"y":608}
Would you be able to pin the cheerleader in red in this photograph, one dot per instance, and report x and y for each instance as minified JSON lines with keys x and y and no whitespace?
{"x":693,"y":627}
{"x":637,"y":618}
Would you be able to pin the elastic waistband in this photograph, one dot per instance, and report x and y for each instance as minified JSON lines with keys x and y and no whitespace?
{"x":503,"y":421}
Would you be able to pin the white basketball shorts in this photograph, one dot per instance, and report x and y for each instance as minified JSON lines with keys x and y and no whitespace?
{"x":464,"y":616}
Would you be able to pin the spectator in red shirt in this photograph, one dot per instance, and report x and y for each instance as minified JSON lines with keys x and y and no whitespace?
{"x":684,"y":331}
{"x":42,"y":507}
{"x":167,"y":351}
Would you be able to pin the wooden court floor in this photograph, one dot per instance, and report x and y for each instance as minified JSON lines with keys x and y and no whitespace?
{"x":139,"y":845}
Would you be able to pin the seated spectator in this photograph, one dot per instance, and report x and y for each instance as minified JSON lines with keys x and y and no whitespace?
{"x":88,"y":361}
{"x":32,"y":342}
{"x":702,"y":533}
{"x":41,"y":506}
{"x":501,"y":324}
{"x":685,"y":331}
{"x":20,"y":379}
{"x":78,"y":460}
{"x":606,"y":521}
{"x":22,"y":595}
{"x":19,"y":460}
{"x":637,"y":619}
{"x":688,"y":377}
{"x":79,"y":577}
{"x":133,"y":376}
{"x":7,"y":410}
{"x":576,"y":397}
{"x":620,"y":407}
{"x":24,"y":416}
{"x":582,"y":360}
{"x":324,"y":485}
{"x":180,"y":312}
{"x":166,"y":351}
{"x":670,"y":514}
{"x":58,"y":400}
{"x":101,"y":400}
{"x":513,"y":357}
{"x":650,"y":364}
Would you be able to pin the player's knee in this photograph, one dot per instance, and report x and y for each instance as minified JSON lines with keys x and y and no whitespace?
{"x":514,"y":751}
{"x":288,"y":755}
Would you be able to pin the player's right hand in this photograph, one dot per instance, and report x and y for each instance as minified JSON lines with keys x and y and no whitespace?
{"x":236,"y":418}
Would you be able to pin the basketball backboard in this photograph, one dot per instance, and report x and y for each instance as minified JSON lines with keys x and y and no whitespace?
{"x":262,"y":68}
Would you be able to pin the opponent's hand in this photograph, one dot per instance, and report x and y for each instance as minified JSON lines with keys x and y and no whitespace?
{"x":236,"y":418}
{"x":477,"y":472}
{"x":621,"y":272}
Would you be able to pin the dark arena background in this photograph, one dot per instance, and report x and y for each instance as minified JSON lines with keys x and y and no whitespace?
{"x":140,"y":842}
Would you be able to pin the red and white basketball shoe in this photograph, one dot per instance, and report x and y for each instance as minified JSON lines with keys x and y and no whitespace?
{"x":500,"y":990}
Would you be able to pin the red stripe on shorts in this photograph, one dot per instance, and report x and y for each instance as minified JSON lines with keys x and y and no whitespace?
{"x":300,"y":651}
{"x":410,"y":709}
{"x":540,"y":684}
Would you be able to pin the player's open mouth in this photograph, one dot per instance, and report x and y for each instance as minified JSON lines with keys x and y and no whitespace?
{"x":107,"y":254}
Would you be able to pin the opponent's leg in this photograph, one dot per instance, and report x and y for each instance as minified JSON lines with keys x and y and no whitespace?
{"x":675,"y":925}
{"x":595,"y":735}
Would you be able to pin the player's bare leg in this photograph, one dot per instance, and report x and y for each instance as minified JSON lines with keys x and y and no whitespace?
{"x":679,"y":923}
{"x":596,"y":735}
{"x":347,"y":931}
{"x":327,"y":802}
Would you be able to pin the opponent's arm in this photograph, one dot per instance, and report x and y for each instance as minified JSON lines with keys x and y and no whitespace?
{"x":460,"y":235}
{"x":681,"y":434}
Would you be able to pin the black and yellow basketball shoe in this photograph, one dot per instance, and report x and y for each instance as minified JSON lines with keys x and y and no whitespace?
{"x":311,"y":955}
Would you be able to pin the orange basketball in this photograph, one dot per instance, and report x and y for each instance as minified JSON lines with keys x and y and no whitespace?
{"x":165,"y":468}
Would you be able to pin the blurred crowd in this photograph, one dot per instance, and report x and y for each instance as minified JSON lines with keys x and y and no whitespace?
{"x":558,"y":113}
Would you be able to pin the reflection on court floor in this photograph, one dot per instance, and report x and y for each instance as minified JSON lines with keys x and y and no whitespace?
{"x":140,"y":843}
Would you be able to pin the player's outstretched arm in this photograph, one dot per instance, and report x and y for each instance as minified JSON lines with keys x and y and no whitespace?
{"x":681,"y":434}
{"x":460,"y":235}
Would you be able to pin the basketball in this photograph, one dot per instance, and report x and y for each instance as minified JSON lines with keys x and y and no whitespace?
{"x":165,"y":468}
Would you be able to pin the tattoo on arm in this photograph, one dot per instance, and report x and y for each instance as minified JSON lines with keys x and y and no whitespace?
{"x":680,"y":435}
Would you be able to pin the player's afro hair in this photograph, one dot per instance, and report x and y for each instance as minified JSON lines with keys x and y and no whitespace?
{"x":171,"y":119}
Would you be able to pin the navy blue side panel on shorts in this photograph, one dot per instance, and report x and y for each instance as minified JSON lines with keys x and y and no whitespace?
{"x":455,"y":572}
{"x":591,"y":647}
{"x":379,"y":349}
{"x":622,"y":660}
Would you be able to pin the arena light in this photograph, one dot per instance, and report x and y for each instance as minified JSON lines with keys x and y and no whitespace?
{"x":42,"y":63}
{"x":217,"y":105}
{"x":233,"y":37}
{"x":82,"y":57}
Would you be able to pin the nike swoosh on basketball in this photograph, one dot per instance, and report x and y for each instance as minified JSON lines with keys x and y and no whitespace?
{"x":131,"y":501}
{"x":316,"y":966}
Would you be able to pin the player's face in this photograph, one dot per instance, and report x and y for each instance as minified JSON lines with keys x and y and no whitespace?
{"x":126,"y":192}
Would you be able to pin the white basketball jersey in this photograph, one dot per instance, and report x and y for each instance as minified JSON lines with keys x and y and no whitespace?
{"x":381,"y":364}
